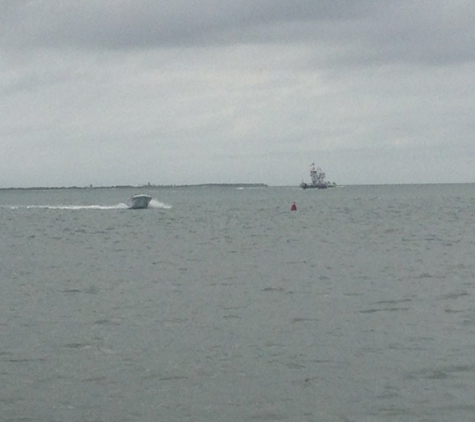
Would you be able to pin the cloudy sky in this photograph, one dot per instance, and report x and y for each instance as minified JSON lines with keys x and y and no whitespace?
{"x":109,"y":92}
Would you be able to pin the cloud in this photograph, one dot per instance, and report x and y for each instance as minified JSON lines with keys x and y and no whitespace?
{"x":128,"y":24}
{"x":243,"y":85}
{"x":363,"y":31}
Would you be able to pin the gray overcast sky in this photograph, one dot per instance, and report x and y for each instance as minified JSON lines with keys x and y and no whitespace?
{"x":109,"y":92}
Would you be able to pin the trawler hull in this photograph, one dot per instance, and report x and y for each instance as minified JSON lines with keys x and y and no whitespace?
{"x":319,"y":186}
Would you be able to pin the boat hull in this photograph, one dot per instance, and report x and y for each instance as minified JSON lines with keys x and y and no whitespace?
{"x":139,"y":202}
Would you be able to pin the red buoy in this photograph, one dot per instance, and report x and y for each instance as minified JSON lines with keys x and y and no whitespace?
{"x":293,"y":207}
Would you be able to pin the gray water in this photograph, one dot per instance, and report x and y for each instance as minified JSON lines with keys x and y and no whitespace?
{"x":219,"y":304}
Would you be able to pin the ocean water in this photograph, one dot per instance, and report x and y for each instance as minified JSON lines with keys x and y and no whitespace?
{"x":219,"y":304}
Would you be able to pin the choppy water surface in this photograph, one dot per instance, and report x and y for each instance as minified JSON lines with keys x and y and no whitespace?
{"x":219,"y":304}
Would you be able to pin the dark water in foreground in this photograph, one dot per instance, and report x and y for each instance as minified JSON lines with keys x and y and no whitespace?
{"x":220,"y":304}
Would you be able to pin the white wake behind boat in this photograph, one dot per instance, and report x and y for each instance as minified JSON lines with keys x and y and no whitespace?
{"x":139,"y":201}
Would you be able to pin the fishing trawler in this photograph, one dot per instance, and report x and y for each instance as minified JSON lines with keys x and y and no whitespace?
{"x":317,"y":176}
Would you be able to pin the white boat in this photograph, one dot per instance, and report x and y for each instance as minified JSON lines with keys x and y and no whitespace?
{"x":139,"y":201}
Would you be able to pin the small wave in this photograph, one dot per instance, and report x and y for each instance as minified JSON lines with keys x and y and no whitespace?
{"x":453,"y":295}
{"x":372,"y":311}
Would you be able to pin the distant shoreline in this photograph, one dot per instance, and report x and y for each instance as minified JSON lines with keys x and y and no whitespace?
{"x":148,"y":186}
